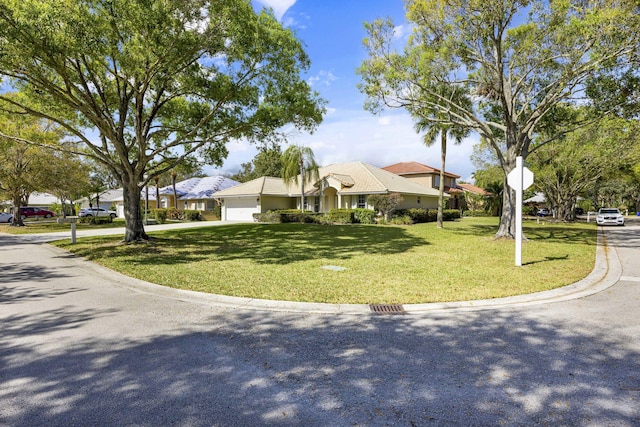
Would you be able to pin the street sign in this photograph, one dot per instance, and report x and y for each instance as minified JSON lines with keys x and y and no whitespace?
{"x":513,"y":178}
{"x":520,"y":178}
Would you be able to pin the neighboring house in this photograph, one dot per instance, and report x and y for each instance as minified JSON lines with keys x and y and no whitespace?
{"x":113,"y":199}
{"x":195,"y":193}
{"x":36,"y":200}
{"x":474,"y":196}
{"x":344,"y":185}
{"x":430,"y":177}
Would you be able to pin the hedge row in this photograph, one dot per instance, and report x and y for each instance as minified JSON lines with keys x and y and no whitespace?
{"x":161,"y":215}
{"x":354,"y":216}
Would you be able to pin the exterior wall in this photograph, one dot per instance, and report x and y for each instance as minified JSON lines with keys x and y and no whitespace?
{"x":422,"y":179}
{"x":423,"y":202}
{"x":270,"y":203}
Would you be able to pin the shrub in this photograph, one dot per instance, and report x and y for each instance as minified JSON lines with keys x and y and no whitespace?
{"x":450,"y":214}
{"x":160,"y":215}
{"x":419,"y":215}
{"x":385,"y":203}
{"x":401,"y":220}
{"x":341,"y":216}
{"x":364,"y":216}
{"x":288,"y":215}
{"x":192,"y":215}
{"x":176,"y":214}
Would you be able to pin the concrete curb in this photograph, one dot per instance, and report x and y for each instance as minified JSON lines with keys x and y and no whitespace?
{"x":606,"y":272}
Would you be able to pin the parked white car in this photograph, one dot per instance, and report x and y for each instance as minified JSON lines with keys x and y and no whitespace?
{"x":5,"y":217}
{"x":609,"y":216}
{"x":97,"y":212}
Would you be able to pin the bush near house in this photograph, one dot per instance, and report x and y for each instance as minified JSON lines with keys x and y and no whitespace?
{"x":418,"y":215}
{"x":160,"y":215}
{"x":183,"y":215}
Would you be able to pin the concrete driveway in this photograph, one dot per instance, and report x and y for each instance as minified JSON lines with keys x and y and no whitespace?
{"x":81,"y":347}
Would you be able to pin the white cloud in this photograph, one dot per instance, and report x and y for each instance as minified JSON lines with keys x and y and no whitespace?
{"x":279,"y":7}
{"x":356,"y":135}
{"x":324,"y":78}
{"x":402,"y":31}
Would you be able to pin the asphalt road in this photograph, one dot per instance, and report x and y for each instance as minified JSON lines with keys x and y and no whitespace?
{"x":80,"y":348}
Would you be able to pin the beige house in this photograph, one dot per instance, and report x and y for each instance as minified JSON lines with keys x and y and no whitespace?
{"x":344,"y":185}
{"x":430,"y":177}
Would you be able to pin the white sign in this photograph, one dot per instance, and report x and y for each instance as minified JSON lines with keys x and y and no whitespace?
{"x":519,"y":179}
{"x":513,"y":178}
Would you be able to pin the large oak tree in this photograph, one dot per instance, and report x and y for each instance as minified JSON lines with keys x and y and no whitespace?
{"x":144,"y":84}
{"x":519,"y":61}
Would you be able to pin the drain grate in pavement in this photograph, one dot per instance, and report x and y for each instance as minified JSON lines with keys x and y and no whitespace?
{"x":387,"y":309}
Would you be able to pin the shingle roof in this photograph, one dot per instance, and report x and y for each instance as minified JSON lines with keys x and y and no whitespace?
{"x":199,"y":188}
{"x":412,"y":168}
{"x":357,"y":177}
{"x":473,"y":189}
{"x":265,"y":185}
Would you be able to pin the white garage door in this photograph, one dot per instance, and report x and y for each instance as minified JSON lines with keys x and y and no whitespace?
{"x":240,"y":209}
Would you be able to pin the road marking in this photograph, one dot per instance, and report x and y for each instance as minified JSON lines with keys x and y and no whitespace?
{"x":629,"y":279}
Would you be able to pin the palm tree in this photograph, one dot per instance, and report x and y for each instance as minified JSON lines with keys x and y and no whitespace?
{"x":299,"y":161}
{"x":434,"y":128}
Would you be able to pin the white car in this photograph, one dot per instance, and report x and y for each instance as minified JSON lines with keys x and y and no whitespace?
{"x":97,"y":212}
{"x":609,"y":216}
{"x":5,"y":217}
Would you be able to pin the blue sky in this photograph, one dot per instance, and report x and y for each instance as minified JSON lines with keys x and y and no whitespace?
{"x":332,"y":32}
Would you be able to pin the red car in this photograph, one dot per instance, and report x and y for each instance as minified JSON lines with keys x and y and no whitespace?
{"x":29,"y":212}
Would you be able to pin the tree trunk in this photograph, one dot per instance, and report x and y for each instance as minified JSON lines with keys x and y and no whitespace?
{"x":17,"y":218}
{"x":443,"y":158}
{"x":301,"y":164}
{"x":133,"y":217}
{"x":507,"y":228}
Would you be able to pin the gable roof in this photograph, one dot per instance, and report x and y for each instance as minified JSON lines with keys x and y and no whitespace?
{"x":265,"y":185}
{"x":415,"y":168}
{"x":199,"y":188}
{"x":473,"y":189}
{"x":355,"y":177}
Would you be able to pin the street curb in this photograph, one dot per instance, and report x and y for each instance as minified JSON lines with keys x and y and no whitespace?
{"x":606,"y":272}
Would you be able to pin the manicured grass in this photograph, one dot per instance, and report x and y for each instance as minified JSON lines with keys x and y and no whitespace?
{"x":383,"y":264}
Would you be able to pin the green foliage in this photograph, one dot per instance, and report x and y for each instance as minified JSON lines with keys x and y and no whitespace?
{"x":341,"y":216}
{"x":401,"y":220}
{"x":162,"y":82}
{"x":545,"y":60}
{"x":183,"y":215}
{"x":268,"y":162}
{"x":385,"y":203}
{"x":364,"y":216}
{"x":160,"y":215}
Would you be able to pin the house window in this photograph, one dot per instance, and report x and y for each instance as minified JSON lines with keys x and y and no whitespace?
{"x":316,"y":204}
{"x":436,"y":181}
{"x":453,"y":182}
{"x":418,"y":200}
{"x":362,"y":201}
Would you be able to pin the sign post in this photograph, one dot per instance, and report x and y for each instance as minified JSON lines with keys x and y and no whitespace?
{"x":72,"y":220}
{"x":519,"y":179}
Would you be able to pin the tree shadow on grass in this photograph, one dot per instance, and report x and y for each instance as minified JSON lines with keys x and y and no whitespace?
{"x":263,"y":244}
{"x":251,"y":368}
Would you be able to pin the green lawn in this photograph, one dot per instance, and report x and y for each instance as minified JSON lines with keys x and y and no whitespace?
{"x":383,"y":264}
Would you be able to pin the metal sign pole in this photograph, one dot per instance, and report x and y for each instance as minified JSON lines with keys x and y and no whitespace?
{"x":519,"y":212}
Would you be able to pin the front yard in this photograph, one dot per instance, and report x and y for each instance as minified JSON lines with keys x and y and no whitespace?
{"x":382,"y":264}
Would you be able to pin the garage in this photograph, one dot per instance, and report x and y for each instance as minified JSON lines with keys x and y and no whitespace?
{"x":239,"y":209}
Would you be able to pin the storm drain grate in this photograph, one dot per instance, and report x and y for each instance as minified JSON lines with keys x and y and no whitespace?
{"x":387,"y":309}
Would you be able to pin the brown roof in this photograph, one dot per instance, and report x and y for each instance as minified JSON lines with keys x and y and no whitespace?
{"x":413,"y":168}
{"x":473,"y":189}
